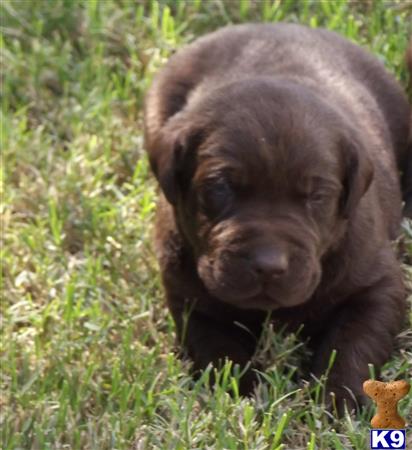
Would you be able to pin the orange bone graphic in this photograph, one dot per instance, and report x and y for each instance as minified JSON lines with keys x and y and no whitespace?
{"x":386,"y":396}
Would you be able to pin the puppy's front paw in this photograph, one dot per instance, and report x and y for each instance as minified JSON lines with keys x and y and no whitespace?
{"x":248,"y":382}
{"x":341,"y":398}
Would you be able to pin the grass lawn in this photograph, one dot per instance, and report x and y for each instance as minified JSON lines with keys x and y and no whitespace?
{"x":87,"y":346}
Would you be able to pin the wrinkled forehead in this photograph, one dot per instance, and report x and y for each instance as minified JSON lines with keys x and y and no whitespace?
{"x":273,"y":150}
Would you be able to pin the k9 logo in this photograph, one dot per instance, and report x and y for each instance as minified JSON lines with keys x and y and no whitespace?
{"x":388,"y":439}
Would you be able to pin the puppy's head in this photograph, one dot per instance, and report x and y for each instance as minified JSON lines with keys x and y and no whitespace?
{"x":263,"y":177}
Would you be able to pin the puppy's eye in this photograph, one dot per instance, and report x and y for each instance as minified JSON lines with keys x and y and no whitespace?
{"x":216,"y":197}
{"x":316,"y":199}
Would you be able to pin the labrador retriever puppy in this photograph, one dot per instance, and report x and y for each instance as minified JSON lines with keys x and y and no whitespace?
{"x":278,"y":151}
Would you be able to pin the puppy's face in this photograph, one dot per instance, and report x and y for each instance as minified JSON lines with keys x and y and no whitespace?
{"x":263,"y":181}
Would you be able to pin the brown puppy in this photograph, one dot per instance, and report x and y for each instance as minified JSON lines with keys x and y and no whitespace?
{"x":277,"y":148}
{"x":407,"y":169}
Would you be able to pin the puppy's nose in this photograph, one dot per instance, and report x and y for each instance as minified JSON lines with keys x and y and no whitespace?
{"x":270,"y":262}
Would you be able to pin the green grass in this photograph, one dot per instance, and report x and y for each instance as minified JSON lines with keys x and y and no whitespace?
{"x":87,"y":345}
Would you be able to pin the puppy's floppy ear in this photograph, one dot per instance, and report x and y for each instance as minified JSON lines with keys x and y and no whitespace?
{"x":358,"y":173}
{"x":172,"y":155}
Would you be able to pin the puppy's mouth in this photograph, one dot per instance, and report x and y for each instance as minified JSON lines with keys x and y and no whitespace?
{"x":267,"y":302}
{"x":261,"y":301}
{"x":245,"y":292}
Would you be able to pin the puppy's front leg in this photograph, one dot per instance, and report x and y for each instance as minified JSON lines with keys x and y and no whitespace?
{"x":207,"y":340}
{"x":362,"y":333}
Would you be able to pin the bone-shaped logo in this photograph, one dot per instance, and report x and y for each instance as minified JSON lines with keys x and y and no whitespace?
{"x":386,"y":396}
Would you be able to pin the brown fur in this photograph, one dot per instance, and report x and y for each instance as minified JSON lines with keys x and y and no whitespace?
{"x":277,"y":149}
{"x":407,"y":166}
